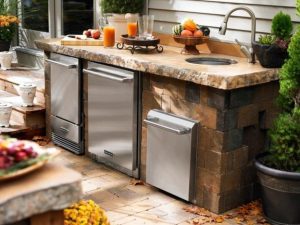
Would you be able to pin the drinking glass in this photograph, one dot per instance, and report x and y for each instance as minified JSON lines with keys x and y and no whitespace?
{"x":132,"y":26}
{"x":145,"y":24}
{"x":108,"y":36}
{"x":108,"y":32}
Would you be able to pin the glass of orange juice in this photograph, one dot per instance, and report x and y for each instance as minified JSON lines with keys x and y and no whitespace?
{"x":108,"y":36}
{"x":132,"y":26}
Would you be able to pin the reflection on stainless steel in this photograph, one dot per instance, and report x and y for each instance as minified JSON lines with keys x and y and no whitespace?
{"x":223,"y":28}
{"x":112,"y":117}
{"x":171,"y":153}
{"x":66,"y":112}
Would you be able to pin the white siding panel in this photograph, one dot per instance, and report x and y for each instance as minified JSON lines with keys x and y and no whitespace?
{"x":211,"y":13}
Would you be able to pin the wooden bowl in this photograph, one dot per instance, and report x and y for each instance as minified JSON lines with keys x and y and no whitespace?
{"x":190,"y":44}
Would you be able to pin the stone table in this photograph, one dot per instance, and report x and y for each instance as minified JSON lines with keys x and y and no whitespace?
{"x":41,"y":195}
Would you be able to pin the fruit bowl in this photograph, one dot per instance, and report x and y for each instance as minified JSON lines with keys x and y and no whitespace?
{"x":190,"y":43}
{"x":18,"y":158}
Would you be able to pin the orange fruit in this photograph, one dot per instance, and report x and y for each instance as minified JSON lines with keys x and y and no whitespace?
{"x":190,"y":25}
{"x":186,"y":33}
{"x":198,"y":33}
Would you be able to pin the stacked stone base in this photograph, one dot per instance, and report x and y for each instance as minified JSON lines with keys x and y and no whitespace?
{"x":233,"y":129}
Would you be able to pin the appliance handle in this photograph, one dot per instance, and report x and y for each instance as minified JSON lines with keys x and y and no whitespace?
{"x":65,"y":130}
{"x":181,"y":131}
{"x":107,"y":76}
{"x":68,"y":66}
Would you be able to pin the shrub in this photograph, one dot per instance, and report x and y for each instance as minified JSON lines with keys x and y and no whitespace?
{"x":281,"y":31}
{"x":290,"y":73}
{"x":282,"y":26}
{"x":285,"y":135}
{"x":285,"y":138}
{"x":122,"y":6}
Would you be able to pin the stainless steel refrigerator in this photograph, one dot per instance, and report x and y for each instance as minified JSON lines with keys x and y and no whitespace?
{"x":113,"y":115}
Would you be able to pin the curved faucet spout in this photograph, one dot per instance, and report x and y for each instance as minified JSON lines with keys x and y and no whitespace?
{"x":223,"y":27}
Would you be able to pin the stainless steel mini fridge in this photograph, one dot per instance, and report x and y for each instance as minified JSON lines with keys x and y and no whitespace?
{"x":171,"y":153}
{"x":66,"y":102}
{"x":113,"y":110}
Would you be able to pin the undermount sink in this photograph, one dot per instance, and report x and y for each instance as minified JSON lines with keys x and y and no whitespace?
{"x":211,"y":61}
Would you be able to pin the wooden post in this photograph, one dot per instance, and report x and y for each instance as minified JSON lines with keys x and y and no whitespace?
{"x":48,"y":218}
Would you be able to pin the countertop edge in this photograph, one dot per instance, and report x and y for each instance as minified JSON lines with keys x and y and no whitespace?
{"x":198,"y":77}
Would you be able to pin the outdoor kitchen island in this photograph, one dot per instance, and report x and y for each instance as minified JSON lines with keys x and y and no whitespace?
{"x":234,"y":105}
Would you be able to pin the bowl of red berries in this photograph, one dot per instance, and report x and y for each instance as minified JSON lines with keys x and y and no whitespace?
{"x":18,"y":157}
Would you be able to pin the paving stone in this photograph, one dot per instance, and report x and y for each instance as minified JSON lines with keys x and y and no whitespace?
{"x":142,"y":204}
{"x":115,"y":216}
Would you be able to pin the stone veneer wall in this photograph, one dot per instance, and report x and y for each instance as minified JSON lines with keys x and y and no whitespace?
{"x":232,"y":131}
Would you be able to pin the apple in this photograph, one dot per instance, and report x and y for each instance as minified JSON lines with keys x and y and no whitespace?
{"x":20,"y":156}
{"x":87,"y":33}
{"x":95,"y":34}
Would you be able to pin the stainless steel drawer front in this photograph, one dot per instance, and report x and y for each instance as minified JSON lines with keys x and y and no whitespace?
{"x":112,"y":115}
{"x":171,"y":143}
{"x":65,"y":129}
{"x":65,"y":87}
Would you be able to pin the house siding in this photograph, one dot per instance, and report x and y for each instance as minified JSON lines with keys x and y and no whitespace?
{"x":211,"y":13}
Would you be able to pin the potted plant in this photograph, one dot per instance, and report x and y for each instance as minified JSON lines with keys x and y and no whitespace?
{"x":271,"y":50}
{"x":8,"y":23}
{"x":279,"y":168}
{"x":116,"y":12}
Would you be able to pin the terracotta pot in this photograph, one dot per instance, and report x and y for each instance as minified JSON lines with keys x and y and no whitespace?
{"x":5,"y":113}
{"x":27,"y":92}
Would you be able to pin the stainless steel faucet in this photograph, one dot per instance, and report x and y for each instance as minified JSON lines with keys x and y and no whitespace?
{"x":222,"y":30}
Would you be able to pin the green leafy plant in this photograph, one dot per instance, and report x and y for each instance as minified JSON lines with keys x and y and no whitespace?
{"x":267,"y":39}
{"x":281,"y":31}
{"x":285,"y":138}
{"x":285,"y":135}
{"x":282,"y":26}
{"x":122,"y":6}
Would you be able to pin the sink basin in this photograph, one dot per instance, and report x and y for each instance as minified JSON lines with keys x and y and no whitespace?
{"x":211,"y":61}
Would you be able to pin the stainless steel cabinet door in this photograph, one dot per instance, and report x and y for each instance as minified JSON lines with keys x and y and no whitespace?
{"x":111,"y":115}
{"x":65,"y":87}
{"x":171,"y":153}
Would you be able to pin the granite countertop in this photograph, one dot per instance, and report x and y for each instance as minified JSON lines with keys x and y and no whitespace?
{"x":171,"y":63}
{"x":52,"y":187}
